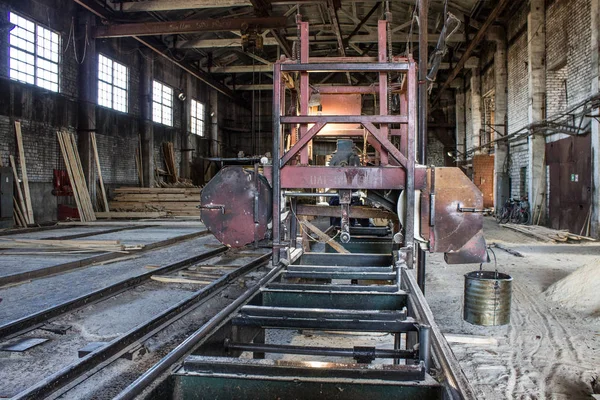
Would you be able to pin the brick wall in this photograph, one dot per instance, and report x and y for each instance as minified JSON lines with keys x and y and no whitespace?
{"x":43,"y":113}
{"x":579,"y":27}
{"x":483,"y":177}
{"x":517,"y":72}
{"x":519,"y":156}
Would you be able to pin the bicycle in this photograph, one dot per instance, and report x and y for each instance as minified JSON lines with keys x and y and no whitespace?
{"x":520,"y":213}
{"x":504,"y":215}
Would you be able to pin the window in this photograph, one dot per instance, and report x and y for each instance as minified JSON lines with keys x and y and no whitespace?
{"x":162,"y":104}
{"x":112,"y":84}
{"x":197,"y":122}
{"x":34,"y":53}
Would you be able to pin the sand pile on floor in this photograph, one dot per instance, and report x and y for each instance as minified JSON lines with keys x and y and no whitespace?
{"x":579,"y":290}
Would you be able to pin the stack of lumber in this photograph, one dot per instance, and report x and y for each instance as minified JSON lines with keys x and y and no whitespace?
{"x":68,"y":148}
{"x":175,"y":201}
{"x":23,"y":210}
{"x":172,"y":177}
{"x":170,"y":163}
{"x":546,"y":234}
{"x":113,"y":246}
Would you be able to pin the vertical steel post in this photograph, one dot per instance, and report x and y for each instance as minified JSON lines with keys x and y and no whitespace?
{"x":422,"y":141}
{"x":383,"y":83}
{"x":293,"y":223}
{"x":425,"y":345}
{"x":304,"y":88}
{"x":276,"y":220}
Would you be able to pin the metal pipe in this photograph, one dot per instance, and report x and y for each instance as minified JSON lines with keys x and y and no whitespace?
{"x":302,"y":194}
{"x":422,"y":115}
{"x":190,"y":343}
{"x":318,"y":351}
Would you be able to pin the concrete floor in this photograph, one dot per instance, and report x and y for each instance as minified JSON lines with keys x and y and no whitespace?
{"x":547,"y":351}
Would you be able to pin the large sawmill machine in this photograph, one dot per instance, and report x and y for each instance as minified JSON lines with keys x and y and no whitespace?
{"x":341,"y":315}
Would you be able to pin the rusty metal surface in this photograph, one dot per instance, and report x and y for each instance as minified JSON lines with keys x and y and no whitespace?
{"x":570,"y":166}
{"x":453,"y":229}
{"x":474,"y":252}
{"x":298,"y":177}
{"x":233,"y":224}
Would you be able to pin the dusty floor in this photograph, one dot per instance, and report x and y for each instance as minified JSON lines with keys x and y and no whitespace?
{"x":547,"y":351}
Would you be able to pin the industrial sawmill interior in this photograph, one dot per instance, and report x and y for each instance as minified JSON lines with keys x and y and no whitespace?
{"x":300,"y":199}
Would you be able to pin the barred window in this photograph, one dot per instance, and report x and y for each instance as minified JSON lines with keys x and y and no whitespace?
{"x":197,"y":118}
{"x":34,"y":53}
{"x":112,"y":84}
{"x":162,"y":104}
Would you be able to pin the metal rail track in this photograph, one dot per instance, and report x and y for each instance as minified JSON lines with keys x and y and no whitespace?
{"x":69,"y":266}
{"x":54,"y":385}
{"x":32,"y":321}
{"x":158,"y":371}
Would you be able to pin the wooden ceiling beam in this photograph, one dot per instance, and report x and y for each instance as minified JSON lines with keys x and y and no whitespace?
{"x":236,"y":42}
{"x":190,"y":26}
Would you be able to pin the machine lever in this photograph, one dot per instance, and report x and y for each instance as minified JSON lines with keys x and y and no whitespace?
{"x":212,"y":207}
{"x":474,"y":210}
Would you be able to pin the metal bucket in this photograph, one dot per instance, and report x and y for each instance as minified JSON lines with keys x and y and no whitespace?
{"x":487,"y":298}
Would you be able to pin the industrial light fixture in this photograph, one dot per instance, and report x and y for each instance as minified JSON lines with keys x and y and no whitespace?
{"x":181,"y":96}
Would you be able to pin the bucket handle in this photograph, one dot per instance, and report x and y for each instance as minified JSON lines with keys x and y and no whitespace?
{"x":488,"y":249}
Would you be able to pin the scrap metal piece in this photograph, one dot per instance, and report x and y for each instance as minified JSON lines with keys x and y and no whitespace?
{"x":234,"y":203}
{"x":21,"y":345}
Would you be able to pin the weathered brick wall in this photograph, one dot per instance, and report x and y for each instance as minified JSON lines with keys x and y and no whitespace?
{"x":519,"y":156}
{"x":517,"y":71}
{"x":579,"y":27}
{"x":43,"y":113}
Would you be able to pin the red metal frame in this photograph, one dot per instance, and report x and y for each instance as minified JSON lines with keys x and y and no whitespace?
{"x":397,"y":166}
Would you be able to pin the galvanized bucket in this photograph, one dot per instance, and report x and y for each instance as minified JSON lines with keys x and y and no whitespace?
{"x":487,"y":298}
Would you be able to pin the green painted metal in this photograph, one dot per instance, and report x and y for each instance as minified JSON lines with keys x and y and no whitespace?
{"x":339,"y":300}
{"x":192,"y":387}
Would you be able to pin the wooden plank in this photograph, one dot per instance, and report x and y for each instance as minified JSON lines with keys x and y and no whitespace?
{"x":130,"y":214}
{"x":68,"y":165}
{"x":322,"y":236}
{"x":470,"y":339}
{"x":19,"y":214}
{"x":174,"y":279}
{"x":26,"y":192}
{"x":84,"y":192}
{"x":97,"y":158}
{"x":19,"y":192}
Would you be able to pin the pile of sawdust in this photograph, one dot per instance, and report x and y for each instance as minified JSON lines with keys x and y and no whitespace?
{"x":579,"y":290}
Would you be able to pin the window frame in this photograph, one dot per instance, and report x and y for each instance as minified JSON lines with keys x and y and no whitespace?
{"x":162,"y":104}
{"x":197,"y":118}
{"x":113,"y":84}
{"x":35,"y":54}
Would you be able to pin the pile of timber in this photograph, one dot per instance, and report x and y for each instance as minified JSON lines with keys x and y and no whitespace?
{"x":22,"y":208}
{"x":113,"y":246}
{"x":173,"y":180}
{"x":546,"y":234}
{"x":68,"y":148}
{"x":173,"y":201}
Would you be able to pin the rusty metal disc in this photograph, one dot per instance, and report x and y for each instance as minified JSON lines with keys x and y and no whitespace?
{"x":236,"y":206}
